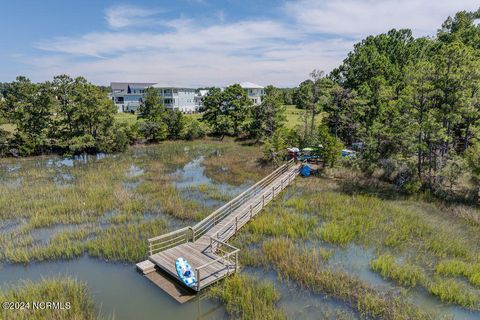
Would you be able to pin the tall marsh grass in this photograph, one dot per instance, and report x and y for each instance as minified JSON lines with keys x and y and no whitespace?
{"x":304,"y":268}
{"x":105,"y":198}
{"x":248,"y":298}
{"x":405,"y":274}
{"x":62,"y":289}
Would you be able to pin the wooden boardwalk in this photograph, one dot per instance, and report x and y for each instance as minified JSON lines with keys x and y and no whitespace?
{"x":204,"y":245}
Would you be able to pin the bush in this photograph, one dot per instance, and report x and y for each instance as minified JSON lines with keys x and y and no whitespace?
{"x":331,"y":146}
{"x":153,"y":131}
{"x":174,"y":122}
{"x":401,"y":173}
{"x":194,"y":129}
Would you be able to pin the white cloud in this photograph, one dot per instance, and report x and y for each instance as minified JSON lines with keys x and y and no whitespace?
{"x":312,"y":34}
{"x":359,"y":18}
{"x":125,"y":15}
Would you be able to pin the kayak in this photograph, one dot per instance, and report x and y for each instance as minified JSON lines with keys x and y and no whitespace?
{"x":185,"y":272}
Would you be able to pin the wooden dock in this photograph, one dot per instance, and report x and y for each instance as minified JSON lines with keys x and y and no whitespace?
{"x":204,"y":245}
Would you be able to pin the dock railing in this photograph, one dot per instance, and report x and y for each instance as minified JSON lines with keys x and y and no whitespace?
{"x":190,"y":234}
{"x":225,"y":252}
{"x":234,"y":223}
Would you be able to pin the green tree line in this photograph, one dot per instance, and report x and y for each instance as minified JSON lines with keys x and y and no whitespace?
{"x":412,"y":105}
{"x":63,"y":115}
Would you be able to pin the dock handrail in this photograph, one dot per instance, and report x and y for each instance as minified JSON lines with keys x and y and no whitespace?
{"x":240,"y":219}
{"x":191,"y":233}
{"x":223,"y":259}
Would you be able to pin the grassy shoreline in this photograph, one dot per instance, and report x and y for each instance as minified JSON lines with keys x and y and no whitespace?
{"x":72,"y":298}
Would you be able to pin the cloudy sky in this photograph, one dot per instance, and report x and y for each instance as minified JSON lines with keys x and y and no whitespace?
{"x":200,"y":42}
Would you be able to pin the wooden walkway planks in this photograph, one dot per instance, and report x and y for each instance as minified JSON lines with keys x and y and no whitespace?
{"x":215,"y":230}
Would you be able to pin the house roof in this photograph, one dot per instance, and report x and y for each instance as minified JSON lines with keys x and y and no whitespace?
{"x":202,"y":93}
{"x":124,"y":85}
{"x":167,"y":85}
{"x":250,"y":85}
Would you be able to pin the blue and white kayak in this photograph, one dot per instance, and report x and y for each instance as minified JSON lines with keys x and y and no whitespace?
{"x":185,"y":272}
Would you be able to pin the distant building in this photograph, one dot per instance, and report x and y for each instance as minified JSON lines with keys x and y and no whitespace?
{"x":254,"y":91}
{"x":128,"y":96}
{"x":199,"y":98}
{"x":177,"y":98}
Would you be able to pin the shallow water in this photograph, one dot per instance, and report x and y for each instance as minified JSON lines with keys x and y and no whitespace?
{"x":302,"y":304}
{"x":355,"y":261}
{"x":117,"y":289}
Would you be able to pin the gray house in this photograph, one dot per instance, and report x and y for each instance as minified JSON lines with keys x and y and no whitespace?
{"x":127,"y":96}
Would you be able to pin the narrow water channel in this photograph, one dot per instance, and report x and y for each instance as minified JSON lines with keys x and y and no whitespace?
{"x":118,"y":290}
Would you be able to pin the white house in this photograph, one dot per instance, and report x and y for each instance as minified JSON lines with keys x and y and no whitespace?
{"x":255,"y":92}
{"x":199,"y":98}
{"x":128,"y":96}
{"x":177,"y":98}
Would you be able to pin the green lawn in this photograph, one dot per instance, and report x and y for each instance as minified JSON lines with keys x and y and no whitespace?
{"x":126,"y":117}
{"x":294,"y":116}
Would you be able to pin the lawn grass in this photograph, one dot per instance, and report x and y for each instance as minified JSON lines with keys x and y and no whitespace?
{"x":292,"y":114}
{"x":126,"y":117}
{"x":294,"y":117}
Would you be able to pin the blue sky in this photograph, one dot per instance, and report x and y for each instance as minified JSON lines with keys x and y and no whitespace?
{"x":199,"y":42}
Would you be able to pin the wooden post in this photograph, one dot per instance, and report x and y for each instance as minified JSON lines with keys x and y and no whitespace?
{"x":236,"y":224}
{"x":236,"y":261}
{"x":273,"y":192}
{"x":150,"y":248}
{"x":263,"y":200}
{"x":193,"y":234}
{"x":197,"y":275}
{"x":251,"y":212}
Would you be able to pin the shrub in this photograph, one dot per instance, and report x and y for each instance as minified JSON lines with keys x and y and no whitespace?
{"x":194,"y":129}
{"x":153,"y":131}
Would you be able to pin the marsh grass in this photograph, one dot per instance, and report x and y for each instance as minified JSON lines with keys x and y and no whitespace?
{"x":126,"y":242}
{"x":406,"y":274}
{"x":451,"y":291}
{"x":277,"y":221}
{"x":235,"y":164}
{"x":212,"y":192}
{"x":248,"y":298}
{"x":317,"y":210}
{"x":104,"y":197}
{"x":61,"y":289}
{"x":457,"y":268}
{"x":290,"y":261}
